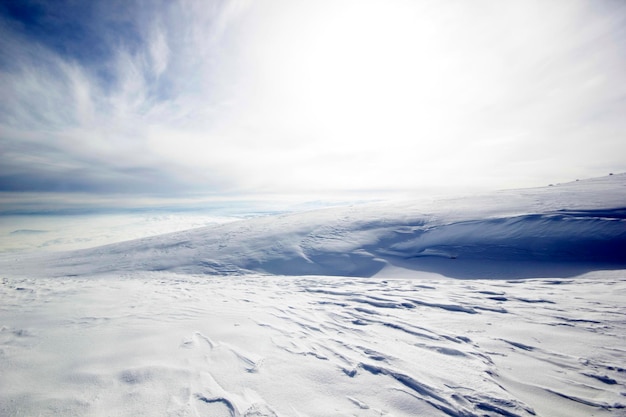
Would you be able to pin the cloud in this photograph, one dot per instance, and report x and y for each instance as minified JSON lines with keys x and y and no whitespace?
{"x":238,"y":96}
{"x":71,"y":124}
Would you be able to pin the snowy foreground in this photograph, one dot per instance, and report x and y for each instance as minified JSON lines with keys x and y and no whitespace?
{"x":512,"y":304}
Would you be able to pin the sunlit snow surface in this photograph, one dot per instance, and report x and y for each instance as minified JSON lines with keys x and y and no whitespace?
{"x":234,"y":320}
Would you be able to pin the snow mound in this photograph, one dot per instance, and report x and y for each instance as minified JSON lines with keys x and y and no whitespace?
{"x":562,"y":230}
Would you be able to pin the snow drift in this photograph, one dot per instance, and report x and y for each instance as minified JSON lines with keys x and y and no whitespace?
{"x":560,"y":230}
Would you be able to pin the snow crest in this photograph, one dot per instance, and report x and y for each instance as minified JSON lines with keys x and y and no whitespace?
{"x":555,"y":231}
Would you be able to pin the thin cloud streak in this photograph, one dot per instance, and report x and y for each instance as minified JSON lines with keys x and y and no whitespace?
{"x":294,"y":96}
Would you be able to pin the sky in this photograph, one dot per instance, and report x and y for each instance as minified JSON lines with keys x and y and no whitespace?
{"x":290,"y":97}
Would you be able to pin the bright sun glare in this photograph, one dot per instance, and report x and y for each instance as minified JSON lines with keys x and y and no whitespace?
{"x":353,"y":76}
{"x":354,"y":68}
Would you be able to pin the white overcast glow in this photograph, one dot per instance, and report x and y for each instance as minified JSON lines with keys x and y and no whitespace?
{"x":312,"y":96}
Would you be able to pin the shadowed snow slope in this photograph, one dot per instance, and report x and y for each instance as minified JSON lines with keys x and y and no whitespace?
{"x":561,"y":230}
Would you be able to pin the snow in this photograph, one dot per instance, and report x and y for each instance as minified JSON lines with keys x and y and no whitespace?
{"x":50,"y":232}
{"x":511,"y":304}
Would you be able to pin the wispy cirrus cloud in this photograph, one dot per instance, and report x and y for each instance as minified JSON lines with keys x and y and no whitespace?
{"x":78,"y":115}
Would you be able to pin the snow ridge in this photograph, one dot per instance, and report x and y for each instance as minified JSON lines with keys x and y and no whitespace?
{"x":560,"y":231}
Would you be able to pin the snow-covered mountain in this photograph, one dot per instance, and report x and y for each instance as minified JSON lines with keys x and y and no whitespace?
{"x":564,"y":230}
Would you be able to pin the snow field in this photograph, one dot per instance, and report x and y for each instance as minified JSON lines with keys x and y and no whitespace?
{"x":182,"y":345}
{"x":347,"y":311}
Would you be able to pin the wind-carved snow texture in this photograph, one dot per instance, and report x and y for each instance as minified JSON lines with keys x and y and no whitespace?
{"x":345,"y":311}
{"x":167,"y":344}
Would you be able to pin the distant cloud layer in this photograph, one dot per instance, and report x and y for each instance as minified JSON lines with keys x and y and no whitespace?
{"x":173,"y":97}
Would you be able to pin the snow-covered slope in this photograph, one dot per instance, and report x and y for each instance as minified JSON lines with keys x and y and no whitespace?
{"x":178,"y":325}
{"x":553,"y":231}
